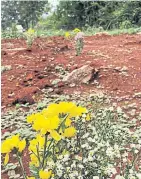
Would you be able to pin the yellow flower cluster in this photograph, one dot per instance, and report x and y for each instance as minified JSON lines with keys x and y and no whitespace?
{"x":45,"y":174}
{"x":67,"y":35}
{"x":9,"y":144}
{"x":49,"y":120}
{"x":52,"y":124}
{"x":30,"y":31}
{"x":76,"y":30}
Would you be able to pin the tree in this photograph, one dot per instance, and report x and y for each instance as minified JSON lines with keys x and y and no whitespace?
{"x":104,"y":14}
{"x":26,"y":13}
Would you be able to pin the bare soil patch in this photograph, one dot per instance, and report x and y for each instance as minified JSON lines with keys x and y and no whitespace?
{"x":116,"y":57}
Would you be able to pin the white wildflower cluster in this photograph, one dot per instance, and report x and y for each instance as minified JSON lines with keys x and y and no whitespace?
{"x":101,"y":149}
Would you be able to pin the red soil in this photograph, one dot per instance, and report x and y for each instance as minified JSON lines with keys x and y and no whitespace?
{"x":35,"y":70}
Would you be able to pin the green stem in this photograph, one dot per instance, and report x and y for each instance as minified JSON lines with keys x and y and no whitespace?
{"x":38,"y":154}
{"x":21,"y":165}
{"x":46,"y":154}
{"x":45,"y":145}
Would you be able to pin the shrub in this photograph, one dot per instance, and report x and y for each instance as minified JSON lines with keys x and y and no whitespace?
{"x":30,"y":36}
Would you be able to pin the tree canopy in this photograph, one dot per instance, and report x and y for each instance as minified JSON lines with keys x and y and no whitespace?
{"x":25,"y":13}
{"x":110,"y":14}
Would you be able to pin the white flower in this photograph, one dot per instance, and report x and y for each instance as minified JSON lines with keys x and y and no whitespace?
{"x":73,"y":165}
{"x":131,"y":177}
{"x":80,"y":177}
{"x":95,"y":177}
{"x":125,"y":154}
{"x":110,"y":170}
{"x":138,"y":175}
{"x":81,"y":166}
{"x":110,"y":152}
{"x":59,"y":173}
{"x":85,"y":135}
{"x":91,"y":139}
{"x":119,"y":177}
{"x":66,"y":158}
{"x":136,"y":151}
{"x":131,"y":171}
{"x":90,"y":158}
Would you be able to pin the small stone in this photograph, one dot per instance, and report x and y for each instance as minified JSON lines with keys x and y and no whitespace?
{"x":50,"y":90}
{"x":72,"y":85}
{"x":11,"y":173}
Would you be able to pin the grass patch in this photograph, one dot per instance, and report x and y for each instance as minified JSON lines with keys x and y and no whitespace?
{"x":54,"y":32}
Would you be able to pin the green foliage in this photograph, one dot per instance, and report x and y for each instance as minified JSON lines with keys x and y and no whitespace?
{"x":108,"y":15}
{"x":79,"y":46}
{"x":25,"y":13}
{"x":125,"y":25}
{"x":30,"y":36}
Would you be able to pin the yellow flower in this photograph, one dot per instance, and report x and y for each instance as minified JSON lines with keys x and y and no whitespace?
{"x":66,"y":107}
{"x":34,"y":160}
{"x":54,"y":123}
{"x":67,"y":34}
{"x":40,"y":140}
{"x":32,"y":146}
{"x":6,"y":159}
{"x":76,"y":30}
{"x":69,"y":132}
{"x":77,"y":112}
{"x":88,"y":118}
{"x":15,"y":141}
{"x":68,"y":122}
{"x":9,"y":144}
{"x":37,"y":142}
{"x":31,"y":118}
{"x":22,"y":145}
{"x":51,"y":110}
{"x":45,"y":124}
{"x":6,"y":146}
{"x":45,"y":174}
{"x":30,"y":177}
{"x":54,"y":134}
{"x":30,"y":31}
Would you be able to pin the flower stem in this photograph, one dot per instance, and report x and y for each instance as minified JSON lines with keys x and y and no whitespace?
{"x":21,"y":165}
{"x":46,"y":154}
{"x":45,"y":145}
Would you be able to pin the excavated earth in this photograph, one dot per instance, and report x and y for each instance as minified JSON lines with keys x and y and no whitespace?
{"x":117,"y":59}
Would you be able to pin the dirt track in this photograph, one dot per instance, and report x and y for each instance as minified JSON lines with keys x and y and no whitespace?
{"x":118,"y":59}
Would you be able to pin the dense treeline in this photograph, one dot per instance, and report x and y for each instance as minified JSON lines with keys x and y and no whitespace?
{"x":71,"y":14}
{"x":104,"y":14}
